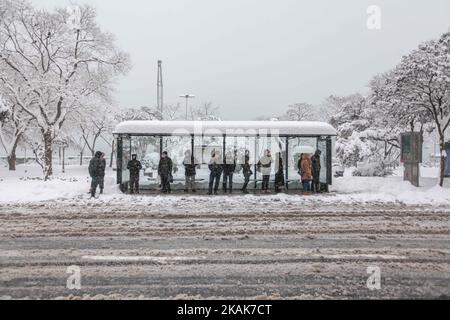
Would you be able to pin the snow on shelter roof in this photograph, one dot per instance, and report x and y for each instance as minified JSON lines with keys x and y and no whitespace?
{"x":230,"y":128}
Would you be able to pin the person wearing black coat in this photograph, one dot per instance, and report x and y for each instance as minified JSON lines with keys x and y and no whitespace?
{"x":279,"y":175}
{"x":216,"y":168}
{"x":165,"y":168}
{"x":135,"y":167}
{"x":102,"y":174}
{"x":190,"y":171}
{"x":97,"y":172}
{"x":247,"y":171}
{"x":316,"y":168}
{"x":229,"y":168}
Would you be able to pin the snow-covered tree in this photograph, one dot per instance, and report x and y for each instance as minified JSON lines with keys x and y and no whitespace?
{"x":59,"y":67}
{"x":13,"y":125}
{"x":140,"y":114}
{"x":417,"y":90}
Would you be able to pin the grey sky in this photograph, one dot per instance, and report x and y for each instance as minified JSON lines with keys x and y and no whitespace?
{"x":255,"y":57}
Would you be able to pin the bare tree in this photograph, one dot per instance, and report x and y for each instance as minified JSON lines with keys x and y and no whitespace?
{"x":206,"y":112}
{"x":299,"y":112}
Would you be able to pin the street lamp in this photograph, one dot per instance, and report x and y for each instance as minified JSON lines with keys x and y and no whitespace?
{"x":187,"y":97}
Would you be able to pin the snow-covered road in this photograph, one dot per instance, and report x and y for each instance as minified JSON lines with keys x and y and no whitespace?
{"x":197,"y":248}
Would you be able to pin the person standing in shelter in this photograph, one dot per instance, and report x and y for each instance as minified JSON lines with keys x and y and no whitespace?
{"x":265,"y":166}
{"x":229,"y":168}
{"x":247,"y":172}
{"x":306,"y":171}
{"x":165,"y":168}
{"x":135,"y":167}
{"x":216,"y":169}
{"x":316,"y":168}
{"x":190,"y":172}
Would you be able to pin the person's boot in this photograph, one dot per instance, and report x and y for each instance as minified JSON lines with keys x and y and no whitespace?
{"x":101,"y":191}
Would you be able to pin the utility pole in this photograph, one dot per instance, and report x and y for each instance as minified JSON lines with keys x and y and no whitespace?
{"x":187,"y":97}
{"x":160,"y":93}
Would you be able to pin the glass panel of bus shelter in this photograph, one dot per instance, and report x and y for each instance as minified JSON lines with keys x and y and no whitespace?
{"x":276,"y":145}
{"x":297,"y":147}
{"x":204,"y":147}
{"x":177,"y":148}
{"x":147,"y":149}
{"x":126,"y":156}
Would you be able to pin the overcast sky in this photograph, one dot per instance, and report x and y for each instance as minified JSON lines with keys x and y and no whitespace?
{"x":255,"y":57}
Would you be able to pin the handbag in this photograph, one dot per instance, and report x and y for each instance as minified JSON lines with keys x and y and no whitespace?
{"x":170,"y":178}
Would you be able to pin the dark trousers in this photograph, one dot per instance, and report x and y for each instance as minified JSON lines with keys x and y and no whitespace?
{"x":228,"y":181}
{"x":246,"y":182}
{"x":214,"y":181}
{"x":134,"y":183}
{"x":265,"y":183}
{"x":316,"y":182}
{"x":189,"y":183}
{"x":96,"y":181}
{"x":306,"y":185}
{"x":165,"y":183}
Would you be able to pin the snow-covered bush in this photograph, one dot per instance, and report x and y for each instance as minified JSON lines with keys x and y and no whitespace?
{"x":372,"y":170}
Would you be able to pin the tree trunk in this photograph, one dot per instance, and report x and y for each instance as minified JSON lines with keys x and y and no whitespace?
{"x":12,"y":160}
{"x":48,"y":154}
{"x":113,"y":150}
{"x":443,"y":162}
{"x":81,"y":158}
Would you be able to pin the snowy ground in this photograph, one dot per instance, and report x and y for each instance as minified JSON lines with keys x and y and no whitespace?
{"x":269,"y":247}
{"x":26,"y":186}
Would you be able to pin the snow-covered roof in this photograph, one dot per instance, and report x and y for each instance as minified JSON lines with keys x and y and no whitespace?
{"x":230,"y":128}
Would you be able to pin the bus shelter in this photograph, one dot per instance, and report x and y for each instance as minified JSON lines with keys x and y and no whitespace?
{"x":233,"y":140}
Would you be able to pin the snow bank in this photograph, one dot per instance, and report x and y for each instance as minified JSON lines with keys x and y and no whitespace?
{"x":25,"y":186}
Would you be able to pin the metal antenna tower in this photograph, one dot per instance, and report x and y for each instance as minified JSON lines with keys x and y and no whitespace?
{"x":160,"y":88}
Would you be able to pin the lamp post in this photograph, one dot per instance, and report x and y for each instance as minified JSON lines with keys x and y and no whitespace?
{"x":187,"y":97}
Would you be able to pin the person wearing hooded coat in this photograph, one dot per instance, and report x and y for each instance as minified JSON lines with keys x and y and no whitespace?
{"x":96,"y":171}
{"x":247,"y":171}
{"x":279,"y":175}
{"x":229,"y":168}
{"x":306,"y":172}
{"x":265,"y":166}
{"x":216,"y":168}
{"x":316,"y":168}
{"x":135,"y":167}
{"x":190,"y":171}
{"x":165,"y":169}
